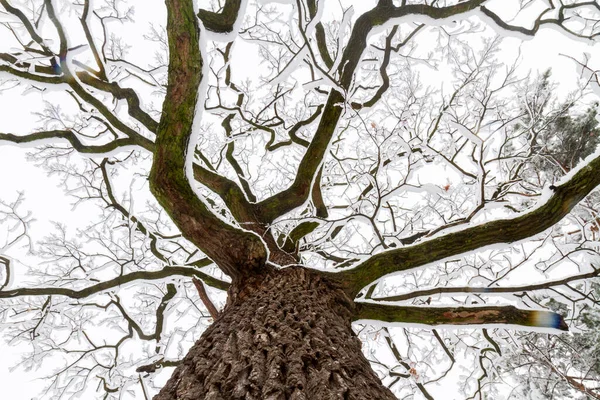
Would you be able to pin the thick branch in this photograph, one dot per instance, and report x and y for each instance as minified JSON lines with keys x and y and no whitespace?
{"x":565,"y":197}
{"x":285,"y":201}
{"x":237,"y":252}
{"x":129,"y":95}
{"x":75,"y":142}
{"x":228,"y":190}
{"x":29,"y":75}
{"x":223,"y":21}
{"x":304,"y":228}
{"x":385,"y":79}
{"x":162,"y":363}
{"x":320,"y":35}
{"x":160,"y":310}
{"x":294,"y":196}
{"x":118,"y":281}
{"x":459,"y":315}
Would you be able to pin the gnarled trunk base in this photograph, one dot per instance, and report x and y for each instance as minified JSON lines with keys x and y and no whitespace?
{"x":290,"y":337}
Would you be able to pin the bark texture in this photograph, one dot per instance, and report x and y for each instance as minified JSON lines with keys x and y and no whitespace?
{"x":287,"y":336}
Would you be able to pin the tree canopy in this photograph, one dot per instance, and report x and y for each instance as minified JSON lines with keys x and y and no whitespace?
{"x":401,"y":151}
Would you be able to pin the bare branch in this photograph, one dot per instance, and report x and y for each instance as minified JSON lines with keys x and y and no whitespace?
{"x":223,"y":21}
{"x":72,"y":138}
{"x":320,"y":35}
{"x":541,"y":21}
{"x":118,"y":281}
{"x":489,"y":289}
{"x":459,"y":315}
{"x":565,"y":197}
{"x":205,"y":299}
{"x":236,"y":251}
{"x":46,"y":74}
{"x":285,"y":201}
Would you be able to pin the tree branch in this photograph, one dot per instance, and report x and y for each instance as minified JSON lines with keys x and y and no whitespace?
{"x":162,"y":363}
{"x":400,"y":360}
{"x":58,"y":71}
{"x":221,"y":22}
{"x":118,"y":281}
{"x":539,"y":22}
{"x":90,"y":39}
{"x":214,"y":313}
{"x":489,"y":290}
{"x":52,"y":76}
{"x":565,"y":197}
{"x":28,"y":25}
{"x":273,"y":207}
{"x":29,"y":75}
{"x":129,"y":95}
{"x":459,"y":315}
{"x":160,"y":311}
{"x":228,"y":190}
{"x":320,"y":35}
{"x":237,"y":252}
{"x":75,"y":142}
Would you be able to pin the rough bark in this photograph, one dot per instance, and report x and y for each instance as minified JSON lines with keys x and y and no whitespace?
{"x":286,"y":336}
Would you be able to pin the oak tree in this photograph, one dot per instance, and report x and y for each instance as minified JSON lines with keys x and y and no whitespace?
{"x":339,"y":192}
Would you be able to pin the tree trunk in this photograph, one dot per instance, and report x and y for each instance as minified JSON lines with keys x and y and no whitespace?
{"x":286,"y":336}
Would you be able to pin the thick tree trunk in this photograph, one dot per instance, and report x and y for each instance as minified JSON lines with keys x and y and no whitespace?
{"x":286,"y":336}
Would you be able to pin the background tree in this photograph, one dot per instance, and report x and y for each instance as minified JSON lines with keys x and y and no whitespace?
{"x":330,"y":186}
{"x":560,"y":365}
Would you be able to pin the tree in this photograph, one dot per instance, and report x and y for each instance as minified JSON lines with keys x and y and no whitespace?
{"x":310,"y":196}
{"x":560,"y":365}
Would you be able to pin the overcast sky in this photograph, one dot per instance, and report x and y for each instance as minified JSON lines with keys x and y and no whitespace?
{"x":47,"y":203}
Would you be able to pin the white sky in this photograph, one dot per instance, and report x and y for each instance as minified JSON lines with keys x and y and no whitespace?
{"x":47,"y":203}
